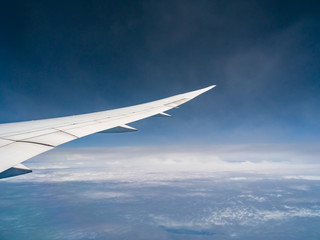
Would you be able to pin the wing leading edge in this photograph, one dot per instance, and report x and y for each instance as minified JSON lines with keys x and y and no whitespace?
{"x":24,"y":140}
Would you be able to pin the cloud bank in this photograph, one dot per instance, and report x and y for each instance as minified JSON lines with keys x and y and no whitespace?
{"x":167,"y":163}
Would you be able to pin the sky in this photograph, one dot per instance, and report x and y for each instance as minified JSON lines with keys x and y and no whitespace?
{"x":238,"y":162}
{"x":60,"y":58}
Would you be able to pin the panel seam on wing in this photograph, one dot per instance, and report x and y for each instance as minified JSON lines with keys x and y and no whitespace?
{"x":23,"y":141}
{"x":70,"y":134}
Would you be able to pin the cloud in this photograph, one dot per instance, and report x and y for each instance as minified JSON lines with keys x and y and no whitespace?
{"x":236,"y":215}
{"x":253,"y":216}
{"x":311,"y":178}
{"x":165,"y":163}
{"x":105,"y":195}
{"x":50,"y":167}
{"x":255,"y":198}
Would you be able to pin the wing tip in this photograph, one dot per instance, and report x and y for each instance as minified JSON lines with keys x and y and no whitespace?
{"x":200,"y":91}
{"x":208,"y":88}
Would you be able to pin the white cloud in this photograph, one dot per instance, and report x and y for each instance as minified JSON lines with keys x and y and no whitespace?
{"x":253,"y":197}
{"x":238,"y":178}
{"x":301,"y":187}
{"x":301,"y":177}
{"x":50,"y":167}
{"x":253,"y":216}
{"x":105,"y":195}
{"x":237,"y":215}
{"x":164,"y":163}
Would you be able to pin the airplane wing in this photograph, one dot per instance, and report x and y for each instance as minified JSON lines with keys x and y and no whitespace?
{"x":23,"y":140}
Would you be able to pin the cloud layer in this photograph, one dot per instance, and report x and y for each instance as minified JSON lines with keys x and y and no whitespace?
{"x":165,"y":163}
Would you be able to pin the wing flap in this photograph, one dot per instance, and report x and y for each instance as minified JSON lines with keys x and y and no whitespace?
{"x":54,"y":139}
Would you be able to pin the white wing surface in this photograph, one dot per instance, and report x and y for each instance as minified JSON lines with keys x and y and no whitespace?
{"x":23,"y":140}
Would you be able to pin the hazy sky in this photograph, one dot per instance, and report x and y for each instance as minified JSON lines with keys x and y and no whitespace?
{"x":68,"y":57}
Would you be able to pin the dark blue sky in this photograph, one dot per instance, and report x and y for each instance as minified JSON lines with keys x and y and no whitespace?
{"x":68,"y":57}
